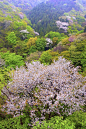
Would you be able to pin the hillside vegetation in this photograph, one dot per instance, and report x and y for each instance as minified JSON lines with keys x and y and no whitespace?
{"x":53,"y":11}
{"x":42,"y":64}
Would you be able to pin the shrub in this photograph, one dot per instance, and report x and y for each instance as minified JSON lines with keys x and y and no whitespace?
{"x":11,"y":38}
{"x":79,"y":118}
{"x":46,"y":57}
{"x":12,"y":60}
{"x":32,"y":49}
{"x":40,"y":44}
{"x":20,"y":122}
{"x":75,"y":121}
{"x":33,"y":56}
{"x":66,"y":54}
{"x":31,"y":41}
{"x":55,"y":123}
{"x":65,"y":41}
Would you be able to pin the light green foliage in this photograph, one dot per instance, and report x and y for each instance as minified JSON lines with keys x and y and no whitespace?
{"x":20,"y":122}
{"x":29,"y":29}
{"x":65,"y":41}
{"x":11,"y":25}
{"x":79,"y":118}
{"x":32,"y":49}
{"x":75,"y":121}
{"x":55,"y":123}
{"x":19,"y":25}
{"x":75,"y":57}
{"x":80,"y":19}
{"x":81,"y":31}
{"x":40,"y":44}
{"x":3,"y":50}
{"x":11,"y":38}
{"x":83,"y":58}
{"x":12,"y":21}
{"x":46,"y":58}
{"x":76,"y":50}
{"x":4,"y":78}
{"x":72,"y":29}
{"x":56,"y":37}
{"x":12,"y":60}
{"x":66,"y":14}
{"x":77,"y":53}
{"x":72,"y":48}
{"x":8,"y":18}
{"x":53,"y":34}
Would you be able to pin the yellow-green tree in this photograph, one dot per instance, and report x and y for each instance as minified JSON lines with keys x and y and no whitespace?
{"x":46,"y":57}
{"x":31,"y":41}
{"x":55,"y":41}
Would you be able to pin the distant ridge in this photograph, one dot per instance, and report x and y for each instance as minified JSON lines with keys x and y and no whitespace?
{"x":26,"y":4}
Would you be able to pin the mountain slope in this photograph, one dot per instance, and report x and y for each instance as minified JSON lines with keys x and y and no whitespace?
{"x":25,"y":5}
{"x":82,"y":3}
{"x":44,"y":15}
{"x":11,"y":19}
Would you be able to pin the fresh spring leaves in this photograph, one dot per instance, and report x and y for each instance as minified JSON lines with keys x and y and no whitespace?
{"x":12,"y":60}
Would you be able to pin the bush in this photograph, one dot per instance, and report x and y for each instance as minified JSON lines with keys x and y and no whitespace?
{"x":11,"y":38}
{"x":12,"y":60}
{"x":75,"y":121}
{"x":55,"y":123}
{"x":79,"y":118}
{"x":54,"y":55}
{"x":65,"y":41}
{"x":32,"y":49}
{"x":20,"y":122}
{"x":53,"y":34}
{"x":66,"y":54}
{"x":33,"y":56}
{"x":40,"y":44}
{"x":46,"y":57}
{"x":4,"y":78}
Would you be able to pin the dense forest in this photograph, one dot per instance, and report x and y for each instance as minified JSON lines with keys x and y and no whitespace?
{"x":25,"y":5}
{"x":44,"y":16}
{"x":42,"y":64}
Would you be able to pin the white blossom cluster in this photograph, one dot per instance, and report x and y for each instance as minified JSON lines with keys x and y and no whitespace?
{"x":50,"y":87}
{"x":63,"y":25}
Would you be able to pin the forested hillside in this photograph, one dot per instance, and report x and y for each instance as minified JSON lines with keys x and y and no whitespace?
{"x":45,"y":16}
{"x":83,"y":3}
{"x":42,"y":64}
{"x":11,"y":20}
{"x":25,"y":5}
